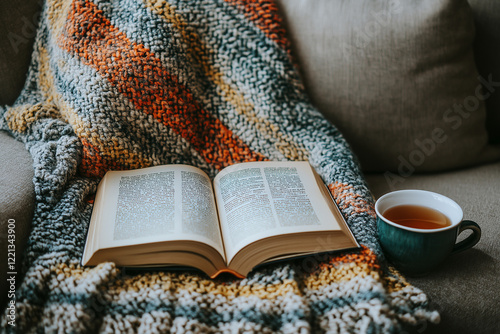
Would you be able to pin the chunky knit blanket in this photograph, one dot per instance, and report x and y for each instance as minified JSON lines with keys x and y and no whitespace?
{"x":122,"y":84}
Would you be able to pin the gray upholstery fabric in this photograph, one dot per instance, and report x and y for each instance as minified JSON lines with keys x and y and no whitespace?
{"x":397,"y":77}
{"x":466,"y":288}
{"x":487,"y":51}
{"x":18,"y":21}
{"x":16,"y":202}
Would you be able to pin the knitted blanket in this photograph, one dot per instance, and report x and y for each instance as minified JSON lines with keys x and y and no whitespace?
{"x":122,"y":84}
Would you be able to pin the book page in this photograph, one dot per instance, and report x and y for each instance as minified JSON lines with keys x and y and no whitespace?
{"x":262,"y":199}
{"x":173,"y":202}
{"x":145,"y":205}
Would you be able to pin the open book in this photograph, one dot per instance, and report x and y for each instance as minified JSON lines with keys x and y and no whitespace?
{"x":252,"y":213}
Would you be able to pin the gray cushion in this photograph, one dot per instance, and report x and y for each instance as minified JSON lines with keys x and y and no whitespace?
{"x":487,"y":51}
{"x":466,"y":288}
{"x":16,"y":202}
{"x":18,"y":21}
{"x":396,"y":77}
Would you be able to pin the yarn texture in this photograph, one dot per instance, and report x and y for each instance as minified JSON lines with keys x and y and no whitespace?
{"x":124,"y":84}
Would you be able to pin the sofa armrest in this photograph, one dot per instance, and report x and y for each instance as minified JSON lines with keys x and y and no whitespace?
{"x":16,"y":206}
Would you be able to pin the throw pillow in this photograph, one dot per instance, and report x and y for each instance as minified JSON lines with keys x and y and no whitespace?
{"x":397,"y":78}
{"x":18,"y":24}
{"x":487,"y":52}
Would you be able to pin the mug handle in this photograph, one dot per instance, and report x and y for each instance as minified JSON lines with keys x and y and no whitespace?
{"x":471,"y":240}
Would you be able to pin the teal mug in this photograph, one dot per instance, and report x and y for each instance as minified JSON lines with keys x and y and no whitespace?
{"x":416,"y":251}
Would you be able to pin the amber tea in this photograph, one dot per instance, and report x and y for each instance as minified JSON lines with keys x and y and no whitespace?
{"x":418,"y":229}
{"x":416,"y":216}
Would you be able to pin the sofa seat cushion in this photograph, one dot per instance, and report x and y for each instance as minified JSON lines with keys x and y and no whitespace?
{"x":16,"y":202}
{"x":465,"y":289}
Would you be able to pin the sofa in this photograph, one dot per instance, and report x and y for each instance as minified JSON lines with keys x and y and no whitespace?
{"x":414,"y":88}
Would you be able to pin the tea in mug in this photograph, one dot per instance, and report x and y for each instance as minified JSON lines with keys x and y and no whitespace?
{"x":416,"y":216}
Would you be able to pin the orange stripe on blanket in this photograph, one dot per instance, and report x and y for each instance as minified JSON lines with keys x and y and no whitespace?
{"x":97,"y":160}
{"x":344,"y":267}
{"x":92,"y":163}
{"x":139,"y":75}
{"x":364,"y":255}
{"x":265,"y":16}
{"x":346,"y":198}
